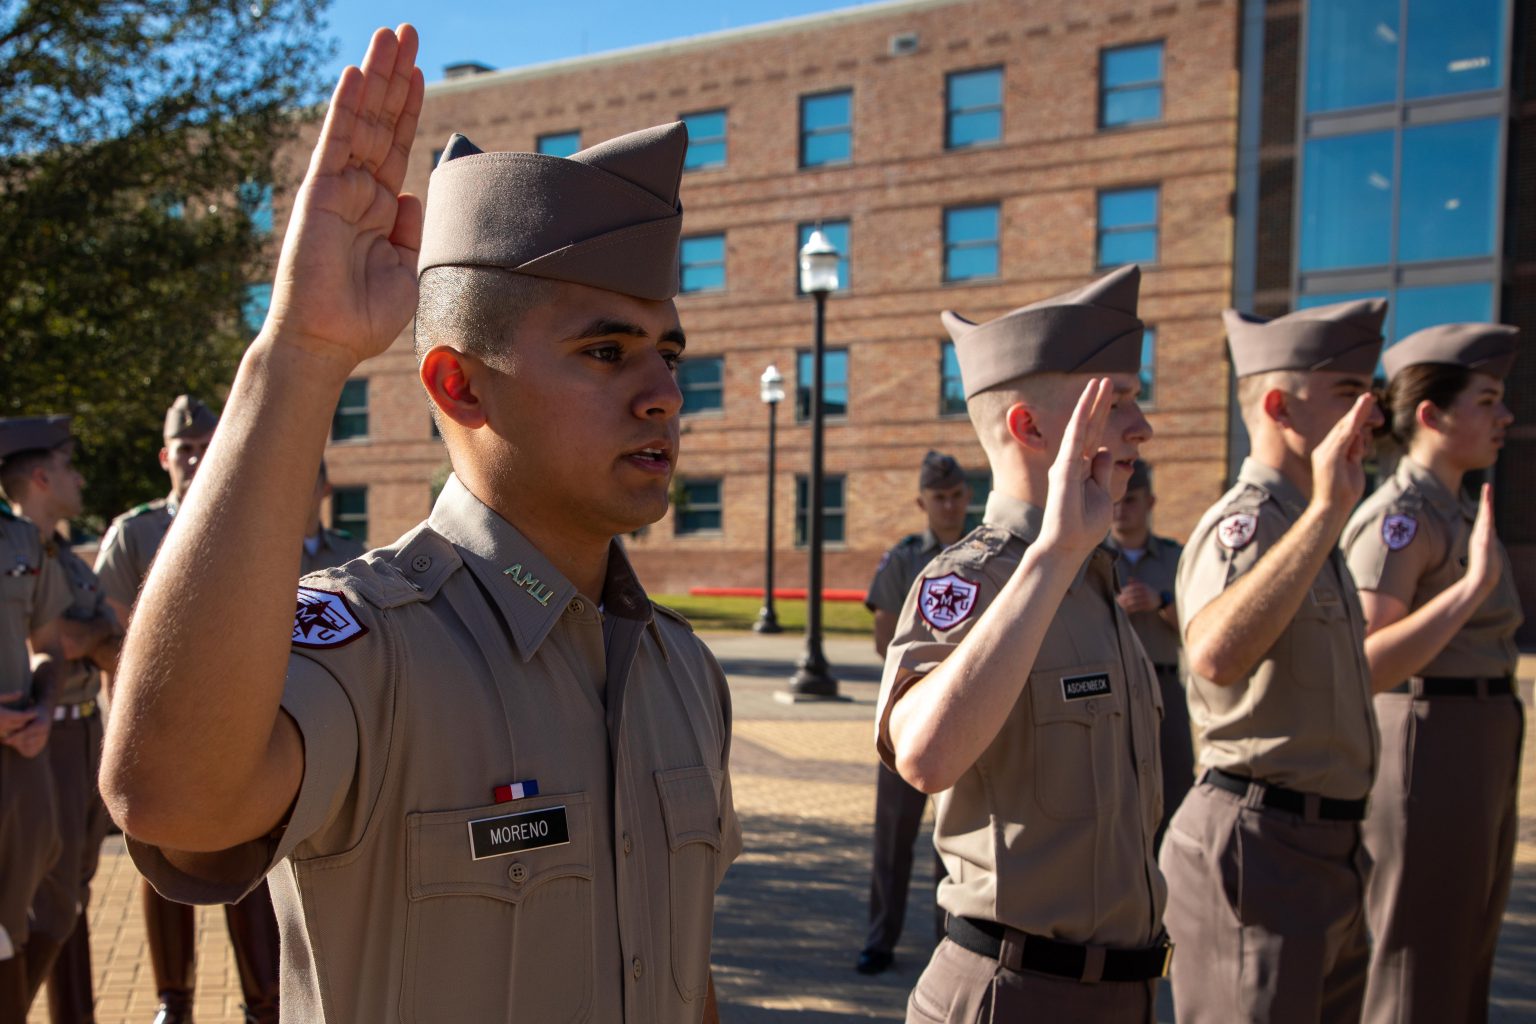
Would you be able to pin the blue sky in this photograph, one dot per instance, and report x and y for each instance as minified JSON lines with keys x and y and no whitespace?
{"x":514,"y":33}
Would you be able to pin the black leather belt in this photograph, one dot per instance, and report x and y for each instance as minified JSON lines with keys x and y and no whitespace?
{"x":1024,"y":952}
{"x":1289,"y":800}
{"x":1457,"y":686}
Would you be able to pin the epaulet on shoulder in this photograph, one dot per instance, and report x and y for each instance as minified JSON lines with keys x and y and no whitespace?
{"x":139,"y":510}
{"x":412,"y":571}
{"x":911,"y":540}
{"x":673,"y":613}
{"x":980,"y":544}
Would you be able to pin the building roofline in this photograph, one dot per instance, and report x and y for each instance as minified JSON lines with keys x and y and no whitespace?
{"x":687,"y":44}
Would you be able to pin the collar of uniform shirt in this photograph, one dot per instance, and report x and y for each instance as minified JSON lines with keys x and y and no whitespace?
{"x":1429,"y":485}
{"x":1271,"y":480}
{"x":1024,"y":521}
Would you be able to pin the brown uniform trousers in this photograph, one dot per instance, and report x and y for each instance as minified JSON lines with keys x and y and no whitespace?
{"x":1443,"y":819}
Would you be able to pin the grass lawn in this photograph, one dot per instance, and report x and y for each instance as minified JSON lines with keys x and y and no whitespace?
{"x":741,"y":612}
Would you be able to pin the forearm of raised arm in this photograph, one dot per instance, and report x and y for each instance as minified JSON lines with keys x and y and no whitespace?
{"x":1401,"y":648}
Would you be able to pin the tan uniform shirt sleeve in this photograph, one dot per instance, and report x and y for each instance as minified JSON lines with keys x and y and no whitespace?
{"x":1376,"y":566}
{"x":888,"y":590}
{"x":1208,"y":566}
{"x":117,"y":566}
{"x":52,"y":595}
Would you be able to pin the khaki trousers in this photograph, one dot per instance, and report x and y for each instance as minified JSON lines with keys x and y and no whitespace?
{"x":29,"y":841}
{"x":961,"y":987}
{"x":898,"y":819}
{"x":1441,"y":831}
{"x":1266,"y":910}
{"x":74,"y":756}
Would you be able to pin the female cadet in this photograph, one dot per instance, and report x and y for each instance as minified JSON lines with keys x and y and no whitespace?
{"x":1441,"y":614}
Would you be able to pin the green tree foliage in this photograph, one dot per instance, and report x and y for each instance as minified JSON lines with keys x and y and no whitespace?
{"x":138,"y":149}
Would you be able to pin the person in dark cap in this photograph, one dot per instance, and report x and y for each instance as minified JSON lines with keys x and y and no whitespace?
{"x":43,"y":485}
{"x":34,"y":593}
{"x":1147,"y":564}
{"x":1015,"y":688}
{"x":943,"y":496}
{"x":1441,"y":611}
{"x":1279,"y":689}
{"x":488,"y":776}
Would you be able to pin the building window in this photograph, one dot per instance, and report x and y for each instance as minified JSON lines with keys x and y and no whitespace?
{"x":1450,"y":182}
{"x":1147,"y":396}
{"x":351,"y":419}
{"x":560,"y":143}
{"x":826,"y":128}
{"x":951,"y":389}
{"x":834,"y":514}
{"x":974,"y":108}
{"x":256,"y":201}
{"x":349,"y":511}
{"x":1127,"y":226}
{"x":703,"y":263}
{"x":971,"y":242}
{"x":706,"y":140}
{"x":702,"y":381}
{"x":1131,"y":85}
{"x":1346,"y":201}
{"x":834,"y":389}
{"x":258,"y":299}
{"x":699,"y":507}
{"x":837,"y":233}
{"x":981,"y":489}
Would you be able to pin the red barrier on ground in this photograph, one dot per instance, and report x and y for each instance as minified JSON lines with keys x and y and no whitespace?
{"x":785,"y":593}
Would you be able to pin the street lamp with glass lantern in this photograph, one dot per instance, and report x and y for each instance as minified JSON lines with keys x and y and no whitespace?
{"x":772,"y":392}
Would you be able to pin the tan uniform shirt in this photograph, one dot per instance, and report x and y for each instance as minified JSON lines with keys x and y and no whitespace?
{"x":898,"y":569}
{"x":1302,"y":718}
{"x":422,"y":679}
{"x":331,"y":548}
{"x":81,"y":680}
{"x":33,"y":592}
{"x":129,"y":547}
{"x":1050,"y":832}
{"x":1157,"y":568}
{"x":1409,"y":539}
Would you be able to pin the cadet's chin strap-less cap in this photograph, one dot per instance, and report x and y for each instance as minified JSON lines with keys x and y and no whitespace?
{"x":607,"y":217}
{"x":188,"y":417}
{"x":940,"y":472}
{"x":1093,"y":329}
{"x":1342,"y":338}
{"x":32,"y":433}
{"x":1486,"y":348}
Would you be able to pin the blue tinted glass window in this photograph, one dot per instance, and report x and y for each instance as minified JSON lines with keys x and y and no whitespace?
{"x":1453,"y":46}
{"x":1417,"y":308}
{"x":826,"y":129}
{"x":560,"y":143}
{"x":1148,"y":395}
{"x":1450,"y":184}
{"x":256,"y":201}
{"x":706,"y":140}
{"x":702,"y":382}
{"x":837,"y":233}
{"x":1131,"y":84}
{"x":975,"y":107}
{"x":834,"y":390}
{"x":1346,"y":201}
{"x":703,"y":263}
{"x":699,"y":511}
{"x":951,"y":388}
{"x":970,"y":242}
{"x":258,"y":299}
{"x":1351,"y":53}
{"x":1127,"y":226}
{"x":833,"y":512}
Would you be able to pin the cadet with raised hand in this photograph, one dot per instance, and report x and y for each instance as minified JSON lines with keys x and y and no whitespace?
{"x":1264,"y":864}
{"x":488,"y":776}
{"x":1016,"y":690}
{"x":1441,"y":611}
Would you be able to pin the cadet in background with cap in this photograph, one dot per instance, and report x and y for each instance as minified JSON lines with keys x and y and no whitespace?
{"x":43,"y":485}
{"x":943,"y":495}
{"x":34,"y":593}
{"x":1263,"y":859}
{"x":1016,"y":690}
{"x":323,"y":546}
{"x":1441,"y":611}
{"x":1147,"y":565}
{"x":488,"y":776}
{"x":127,"y":551}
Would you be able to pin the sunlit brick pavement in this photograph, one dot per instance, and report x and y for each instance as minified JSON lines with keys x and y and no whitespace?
{"x":792,"y":911}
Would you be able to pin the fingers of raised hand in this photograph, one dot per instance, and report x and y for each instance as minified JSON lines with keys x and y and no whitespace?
{"x":1086,"y":427}
{"x":374,"y":111}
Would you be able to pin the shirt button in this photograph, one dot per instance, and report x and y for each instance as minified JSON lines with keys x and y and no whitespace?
{"x":518,"y":873}
{"x":576,"y":608}
{"x":629,"y":844}
{"x":421,"y":563}
{"x":638,"y":969}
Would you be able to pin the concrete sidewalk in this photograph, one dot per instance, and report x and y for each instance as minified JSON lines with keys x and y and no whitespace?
{"x":791,"y":914}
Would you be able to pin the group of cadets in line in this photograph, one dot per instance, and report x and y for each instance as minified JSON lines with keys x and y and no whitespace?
{"x":489,"y":779}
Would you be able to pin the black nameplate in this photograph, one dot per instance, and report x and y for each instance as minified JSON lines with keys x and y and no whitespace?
{"x":1083,"y":687}
{"x":514,"y":833}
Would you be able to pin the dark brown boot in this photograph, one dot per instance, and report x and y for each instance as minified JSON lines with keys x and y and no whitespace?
{"x":71,"y":994}
{"x":253,"y":932}
{"x":171,"y":929}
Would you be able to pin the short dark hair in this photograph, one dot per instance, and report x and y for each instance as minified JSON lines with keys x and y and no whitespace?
{"x":1436,"y":383}
{"x":475,"y":309}
{"x":17,"y":468}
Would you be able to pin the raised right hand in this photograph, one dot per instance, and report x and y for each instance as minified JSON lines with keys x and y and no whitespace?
{"x":1078,"y":508}
{"x":346,"y":279}
{"x":1483,"y":562}
{"x":1338,"y":464}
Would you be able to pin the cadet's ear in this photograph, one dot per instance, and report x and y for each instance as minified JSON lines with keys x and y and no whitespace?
{"x":447,"y":373}
{"x":1277,"y":406}
{"x":165,"y":459}
{"x":1024,"y":427}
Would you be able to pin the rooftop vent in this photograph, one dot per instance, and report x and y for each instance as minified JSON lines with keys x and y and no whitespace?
{"x":903,"y":43}
{"x":466,"y":69}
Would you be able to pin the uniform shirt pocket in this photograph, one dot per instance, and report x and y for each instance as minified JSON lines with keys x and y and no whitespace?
{"x":486,"y":930}
{"x":690,"y":806}
{"x":1077,"y":717}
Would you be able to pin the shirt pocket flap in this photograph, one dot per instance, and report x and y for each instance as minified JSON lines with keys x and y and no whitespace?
{"x":446,"y":859}
{"x":690,"y":804}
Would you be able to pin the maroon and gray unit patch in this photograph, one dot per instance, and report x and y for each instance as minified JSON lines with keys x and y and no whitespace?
{"x":1236,"y":531}
{"x":323,"y":618}
{"x":946,"y":601}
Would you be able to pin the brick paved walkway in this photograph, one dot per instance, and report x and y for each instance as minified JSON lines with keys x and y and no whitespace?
{"x":792,"y":911}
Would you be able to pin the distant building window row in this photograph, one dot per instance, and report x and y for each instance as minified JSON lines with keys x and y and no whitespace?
{"x":699,"y":508}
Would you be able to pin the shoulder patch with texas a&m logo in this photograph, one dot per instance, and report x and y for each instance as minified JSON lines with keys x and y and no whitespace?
{"x":323,"y":618}
{"x":1237,"y":530}
{"x":1397,"y":531}
{"x":946,"y":601}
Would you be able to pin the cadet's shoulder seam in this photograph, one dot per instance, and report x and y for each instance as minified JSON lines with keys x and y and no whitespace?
{"x":673,"y":613}
{"x":971,"y":551}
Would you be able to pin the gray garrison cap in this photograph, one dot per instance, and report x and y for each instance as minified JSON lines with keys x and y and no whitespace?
{"x":607,"y":217}
{"x":1486,"y":348}
{"x":32,"y":433}
{"x":1141,"y":477}
{"x":187,"y":417}
{"x":1093,"y":329}
{"x":1342,"y":338}
{"x":940,"y":471}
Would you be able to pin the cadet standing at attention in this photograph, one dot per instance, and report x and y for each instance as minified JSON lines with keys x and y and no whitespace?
{"x":171,"y":927}
{"x":488,"y":776}
{"x":1441,"y":611}
{"x":1264,"y":865}
{"x":1016,"y":690}
{"x":943,"y":495}
{"x":43,"y":484}
{"x":323,"y":546}
{"x":33,"y":594}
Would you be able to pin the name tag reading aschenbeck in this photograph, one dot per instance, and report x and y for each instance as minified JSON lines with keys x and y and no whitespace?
{"x":514,"y":833}
{"x":1083,"y":687}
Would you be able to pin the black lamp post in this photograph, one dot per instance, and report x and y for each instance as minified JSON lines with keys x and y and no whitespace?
{"x":772,"y":394}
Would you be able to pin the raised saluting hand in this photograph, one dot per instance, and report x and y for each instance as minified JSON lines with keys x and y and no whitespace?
{"x":1078,"y":508}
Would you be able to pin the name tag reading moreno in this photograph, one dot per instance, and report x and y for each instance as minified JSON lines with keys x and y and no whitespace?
{"x":514,"y":833}
{"x":1083,"y":687}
